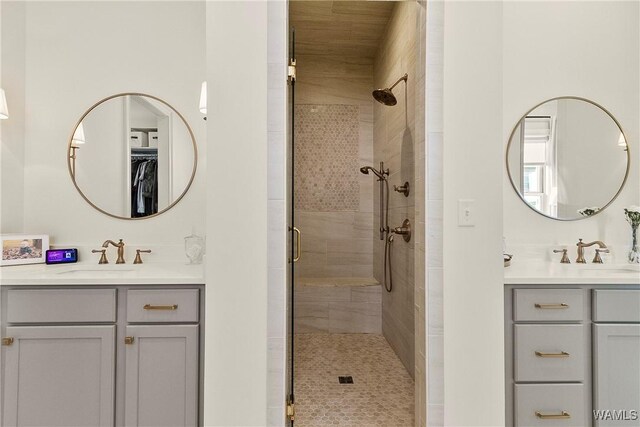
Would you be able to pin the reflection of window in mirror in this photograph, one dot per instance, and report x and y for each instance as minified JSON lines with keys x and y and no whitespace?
{"x":539,"y":169}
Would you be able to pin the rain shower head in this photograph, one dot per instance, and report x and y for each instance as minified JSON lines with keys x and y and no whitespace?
{"x":385,"y":96}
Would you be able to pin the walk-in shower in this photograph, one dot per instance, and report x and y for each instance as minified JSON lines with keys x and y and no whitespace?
{"x":355,"y":182}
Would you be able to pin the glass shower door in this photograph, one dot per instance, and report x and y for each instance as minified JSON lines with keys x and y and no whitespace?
{"x":293,"y":240}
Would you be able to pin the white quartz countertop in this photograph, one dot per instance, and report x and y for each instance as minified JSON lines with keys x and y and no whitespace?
{"x":108,"y":274}
{"x":524,"y":272}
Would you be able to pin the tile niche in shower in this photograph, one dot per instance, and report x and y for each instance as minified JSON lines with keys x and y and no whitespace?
{"x":326,"y":162}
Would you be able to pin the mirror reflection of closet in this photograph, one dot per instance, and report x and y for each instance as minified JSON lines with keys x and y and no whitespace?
{"x":149,"y":139}
{"x":137,"y":156}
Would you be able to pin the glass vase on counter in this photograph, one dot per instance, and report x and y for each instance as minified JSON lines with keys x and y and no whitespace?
{"x":632,"y":214}
{"x":194,"y":248}
{"x":634,"y":253}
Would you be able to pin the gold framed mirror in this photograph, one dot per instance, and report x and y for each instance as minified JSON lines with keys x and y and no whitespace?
{"x":568,"y":158}
{"x":132,"y":156}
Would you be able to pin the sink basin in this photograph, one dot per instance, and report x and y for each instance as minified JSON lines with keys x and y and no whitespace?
{"x":623,"y":269}
{"x":110,"y":270}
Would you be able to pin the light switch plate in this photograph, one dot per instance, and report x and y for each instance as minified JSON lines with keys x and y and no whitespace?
{"x":466,"y":213}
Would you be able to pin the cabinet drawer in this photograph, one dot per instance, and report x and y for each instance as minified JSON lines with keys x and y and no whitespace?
{"x":160,"y":305}
{"x":616,"y":305}
{"x":549,"y":353}
{"x":549,"y":405}
{"x":548,"y":305}
{"x":61,"y":305}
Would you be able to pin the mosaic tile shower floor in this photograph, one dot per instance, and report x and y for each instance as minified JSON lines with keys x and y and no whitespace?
{"x":382,"y":394}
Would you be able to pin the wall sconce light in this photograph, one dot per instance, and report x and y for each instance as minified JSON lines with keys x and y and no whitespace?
{"x":4,"y":111}
{"x":76,"y":140}
{"x":203,"y":99}
{"x":78,"y":135}
{"x":622,"y":142}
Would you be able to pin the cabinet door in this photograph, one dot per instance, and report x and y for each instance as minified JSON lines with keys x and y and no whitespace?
{"x":617,"y":374}
{"x":162,"y":376}
{"x":59,"y":376}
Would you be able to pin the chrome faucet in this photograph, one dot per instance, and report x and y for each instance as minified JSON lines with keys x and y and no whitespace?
{"x":581,"y":246}
{"x":120,"y":246}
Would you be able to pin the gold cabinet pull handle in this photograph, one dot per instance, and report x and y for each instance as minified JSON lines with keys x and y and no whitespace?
{"x":7,"y":341}
{"x":551,"y":306}
{"x":561,"y":354}
{"x":562,"y":416}
{"x":298,"y":244}
{"x":160,"y":307}
{"x":129,"y":340}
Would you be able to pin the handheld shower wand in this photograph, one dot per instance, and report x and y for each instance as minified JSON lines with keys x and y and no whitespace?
{"x":382,"y":175}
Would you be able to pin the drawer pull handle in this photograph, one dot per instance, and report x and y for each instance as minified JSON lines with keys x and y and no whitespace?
{"x":551,"y":306}
{"x":563,"y":416}
{"x":129,"y":340}
{"x":7,"y":341}
{"x":160,"y":307}
{"x":561,"y":354}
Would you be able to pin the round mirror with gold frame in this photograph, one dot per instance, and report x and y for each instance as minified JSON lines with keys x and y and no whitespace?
{"x":568,"y":158}
{"x":132,"y":156}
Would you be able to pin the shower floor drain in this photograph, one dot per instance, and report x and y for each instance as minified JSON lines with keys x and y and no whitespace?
{"x":348,"y":379}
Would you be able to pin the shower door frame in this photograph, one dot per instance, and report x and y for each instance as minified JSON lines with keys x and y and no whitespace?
{"x":292,"y":250}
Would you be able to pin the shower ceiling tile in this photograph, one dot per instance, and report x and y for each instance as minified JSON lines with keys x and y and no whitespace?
{"x":339,"y":28}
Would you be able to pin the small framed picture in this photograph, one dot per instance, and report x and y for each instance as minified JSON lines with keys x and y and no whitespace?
{"x":19,"y":249}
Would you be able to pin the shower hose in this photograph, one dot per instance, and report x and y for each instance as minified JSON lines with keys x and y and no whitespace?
{"x":388,"y":285}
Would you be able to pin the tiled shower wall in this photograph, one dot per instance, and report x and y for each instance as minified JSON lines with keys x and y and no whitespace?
{"x":421,"y":311}
{"x":434,"y":213}
{"x":276,"y":212}
{"x":334,"y":206}
{"x":395,"y":143}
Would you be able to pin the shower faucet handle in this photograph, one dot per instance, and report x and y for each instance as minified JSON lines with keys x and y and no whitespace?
{"x":404,"y":230}
{"x":404,"y":189}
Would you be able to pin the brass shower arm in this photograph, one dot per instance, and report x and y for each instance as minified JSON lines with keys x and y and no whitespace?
{"x":405,"y":77}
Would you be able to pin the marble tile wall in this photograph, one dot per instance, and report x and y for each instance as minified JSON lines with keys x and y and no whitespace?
{"x":395,"y":143}
{"x":276,"y":212}
{"x":338,"y":308}
{"x":336,"y":233}
{"x":421,"y":312}
{"x":326,"y":161}
{"x":434,"y":216}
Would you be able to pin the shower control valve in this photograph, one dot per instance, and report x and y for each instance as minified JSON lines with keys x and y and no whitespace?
{"x":404,"y":230}
{"x":404,"y":189}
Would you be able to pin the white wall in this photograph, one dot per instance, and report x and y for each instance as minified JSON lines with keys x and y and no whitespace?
{"x":76,"y":54}
{"x":587,"y":49}
{"x":591,"y":165}
{"x":12,"y":146}
{"x":473,"y":164}
{"x":236,"y":334}
{"x":529,"y":51}
{"x":104,"y":130}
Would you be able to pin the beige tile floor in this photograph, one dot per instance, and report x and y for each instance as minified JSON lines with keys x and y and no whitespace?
{"x":382,"y":393}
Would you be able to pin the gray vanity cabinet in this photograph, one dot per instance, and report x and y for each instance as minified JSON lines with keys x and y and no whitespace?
{"x":617,"y":373}
{"x":572,"y":355}
{"x":59,"y":376}
{"x":101,"y":356}
{"x":616,"y":362}
{"x":162,"y":376}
